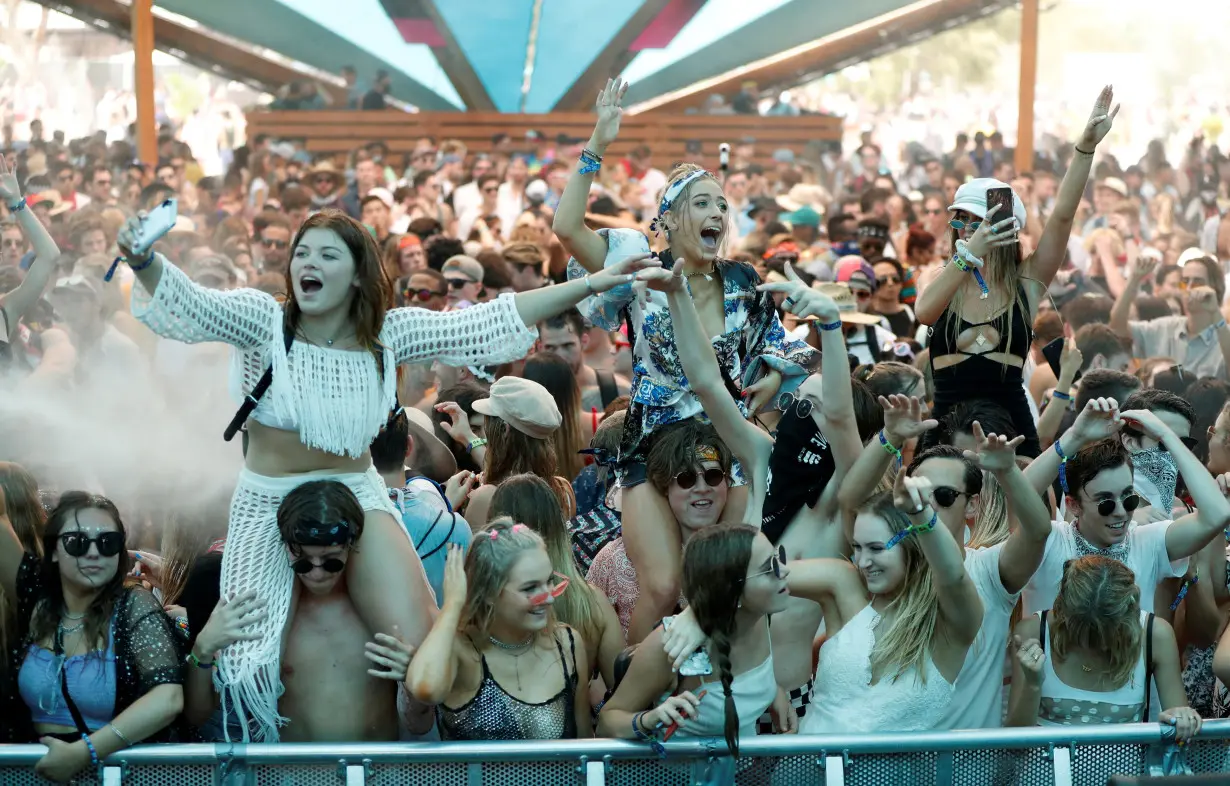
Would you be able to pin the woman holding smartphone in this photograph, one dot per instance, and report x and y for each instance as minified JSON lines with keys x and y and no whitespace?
{"x":981,"y":305}
{"x":327,"y":358}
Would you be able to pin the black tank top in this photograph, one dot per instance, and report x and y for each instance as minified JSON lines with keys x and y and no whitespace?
{"x":976,"y":369}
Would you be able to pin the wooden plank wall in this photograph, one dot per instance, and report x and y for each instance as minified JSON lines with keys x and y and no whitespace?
{"x":667,"y":135}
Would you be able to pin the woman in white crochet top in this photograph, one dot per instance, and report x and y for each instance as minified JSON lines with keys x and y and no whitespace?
{"x":333,"y":347}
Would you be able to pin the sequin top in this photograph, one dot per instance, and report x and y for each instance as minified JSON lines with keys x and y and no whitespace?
{"x":752,"y":341}
{"x":495,"y":714}
{"x":146,"y":651}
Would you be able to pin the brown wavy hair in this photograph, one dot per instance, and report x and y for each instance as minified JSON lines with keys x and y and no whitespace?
{"x":553,"y":373}
{"x":375,"y":295}
{"x":509,"y":452}
{"x":1098,"y":609}
{"x":23,"y":506}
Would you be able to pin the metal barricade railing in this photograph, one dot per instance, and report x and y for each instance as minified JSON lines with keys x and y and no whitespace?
{"x":1070,"y":756}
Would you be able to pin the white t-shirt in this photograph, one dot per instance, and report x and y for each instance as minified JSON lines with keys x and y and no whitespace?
{"x":1147,"y":557}
{"x":978,"y":699}
{"x":856,"y":342}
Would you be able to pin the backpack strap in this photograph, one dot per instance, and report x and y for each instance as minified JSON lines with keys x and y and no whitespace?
{"x":1042,"y":633}
{"x":873,"y":346}
{"x":1144,"y":718}
{"x":252,"y":399}
{"x":607,"y":388}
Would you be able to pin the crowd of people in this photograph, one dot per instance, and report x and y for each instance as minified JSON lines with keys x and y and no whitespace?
{"x":961,"y":432}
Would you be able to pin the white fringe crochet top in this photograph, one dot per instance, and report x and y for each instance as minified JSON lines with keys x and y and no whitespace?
{"x":334,"y":398}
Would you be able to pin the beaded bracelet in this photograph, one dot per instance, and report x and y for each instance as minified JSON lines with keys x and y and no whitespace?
{"x":94,"y":760}
{"x":590,"y":162}
{"x":828,"y":325}
{"x":892,"y":451}
{"x":912,"y":529}
{"x":1063,"y":467}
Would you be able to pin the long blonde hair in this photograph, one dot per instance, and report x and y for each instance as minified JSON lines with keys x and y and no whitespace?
{"x":906,"y":643}
{"x":679,"y":173}
{"x":991,"y":522}
{"x":529,"y":500}
{"x":1098,"y":609}
{"x":1002,"y":273}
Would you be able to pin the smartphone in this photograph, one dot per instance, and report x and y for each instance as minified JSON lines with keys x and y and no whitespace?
{"x":157,"y":223}
{"x":1052,"y":352}
{"x":1001,"y":197}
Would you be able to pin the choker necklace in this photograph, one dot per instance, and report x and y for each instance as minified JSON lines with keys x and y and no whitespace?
{"x":67,"y":616}
{"x":708,"y":274}
{"x":522,"y":646}
{"x":65,"y":629}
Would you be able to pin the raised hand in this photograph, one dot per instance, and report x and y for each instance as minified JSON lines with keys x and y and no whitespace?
{"x":801,"y":300}
{"x":1101,"y":119}
{"x":1203,"y":301}
{"x":459,"y":429}
{"x":659,"y":279}
{"x":459,"y":487}
{"x":455,"y":585}
{"x":911,"y":494}
{"x":1146,"y":421}
{"x":1098,"y":420}
{"x":903,"y":418}
{"x":1070,"y":361}
{"x":995,"y":453}
{"x":609,"y":107}
{"x":993,"y":232}
{"x":10,"y":191}
{"x":1142,"y":269}
{"x":622,"y":272}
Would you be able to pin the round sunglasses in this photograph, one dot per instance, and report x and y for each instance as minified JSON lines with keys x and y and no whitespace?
{"x":713,"y":478}
{"x":958,"y":224}
{"x":305,"y":565}
{"x":422,"y":295}
{"x":77,"y":544}
{"x":776,"y":563}
{"x":1130,"y":503}
{"x":945,"y":496}
{"x":803,"y":406}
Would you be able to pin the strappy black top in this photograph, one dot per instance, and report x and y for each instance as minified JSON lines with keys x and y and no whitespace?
{"x":495,"y":714}
{"x":956,"y":380}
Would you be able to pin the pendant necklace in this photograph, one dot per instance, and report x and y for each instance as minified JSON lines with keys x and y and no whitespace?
{"x":516,"y":650}
{"x":708,"y":274}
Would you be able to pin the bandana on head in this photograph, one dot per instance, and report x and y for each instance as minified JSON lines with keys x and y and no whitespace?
{"x":339,"y":534}
{"x":672,"y":193}
{"x":707,"y":453}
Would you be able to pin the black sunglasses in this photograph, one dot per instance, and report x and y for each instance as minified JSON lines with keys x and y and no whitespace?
{"x":775,"y":564}
{"x":945,"y":496}
{"x":77,"y":544}
{"x":458,"y":283}
{"x":687,"y":478}
{"x":305,"y":565}
{"x":271,"y":243}
{"x":1130,"y":503}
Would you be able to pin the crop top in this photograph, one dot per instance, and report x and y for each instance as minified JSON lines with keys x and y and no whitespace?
{"x":336,"y":399}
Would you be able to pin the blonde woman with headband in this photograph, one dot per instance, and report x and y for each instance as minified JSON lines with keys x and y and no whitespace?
{"x":757,"y":359}
{"x":497,"y":663}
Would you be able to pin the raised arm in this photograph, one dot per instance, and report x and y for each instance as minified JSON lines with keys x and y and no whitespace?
{"x":583,"y":243}
{"x":1192,"y":532}
{"x":1022,"y":553}
{"x":1098,"y":420}
{"x":902,"y":421}
{"x":959,"y":604}
{"x":1070,"y":363}
{"x":16,"y":303}
{"x":434,"y":666}
{"x":749,"y":444}
{"x":1122,"y":310}
{"x":993,"y":232}
{"x":1046,"y":260}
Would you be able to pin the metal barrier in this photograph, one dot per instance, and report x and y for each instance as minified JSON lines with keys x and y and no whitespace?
{"x":1072,"y":756}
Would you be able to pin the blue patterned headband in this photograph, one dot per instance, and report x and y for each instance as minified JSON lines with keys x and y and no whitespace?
{"x":675,"y":189}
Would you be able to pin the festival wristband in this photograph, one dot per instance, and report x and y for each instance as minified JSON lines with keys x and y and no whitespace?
{"x":889,"y":449}
{"x":135,"y":268}
{"x":193,"y":660}
{"x":1061,"y":396}
{"x":20,"y":206}
{"x":913,"y":529}
{"x":1187,"y":584}
{"x":828,"y":325}
{"x":1063,"y":467}
{"x":475,"y":444}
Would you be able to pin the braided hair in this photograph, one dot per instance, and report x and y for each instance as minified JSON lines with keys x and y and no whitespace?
{"x":715,"y":564}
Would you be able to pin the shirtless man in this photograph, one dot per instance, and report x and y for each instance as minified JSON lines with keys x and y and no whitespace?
{"x":567,"y":337}
{"x":339,"y":685}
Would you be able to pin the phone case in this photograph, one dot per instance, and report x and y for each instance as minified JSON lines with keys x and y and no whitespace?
{"x":157,"y":223}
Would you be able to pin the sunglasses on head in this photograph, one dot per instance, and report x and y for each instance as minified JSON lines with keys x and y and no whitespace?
{"x":958,"y":224}
{"x":687,"y":479}
{"x":557,"y":585}
{"x":1130,"y":503}
{"x":458,"y":283}
{"x":776,"y":562}
{"x":945,"y":496}
{"x":422,"y":295}
{"x":305,"y":565}
{"x":77,"y":544}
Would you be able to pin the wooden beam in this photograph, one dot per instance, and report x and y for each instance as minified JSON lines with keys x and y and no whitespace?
{"x":612,"y":60}
{"x":456,"y":65}
{"x":1029,"y":82}
{"x":815,"y":58}
{"x":143,"y":79}
{"x":192,"y":45}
